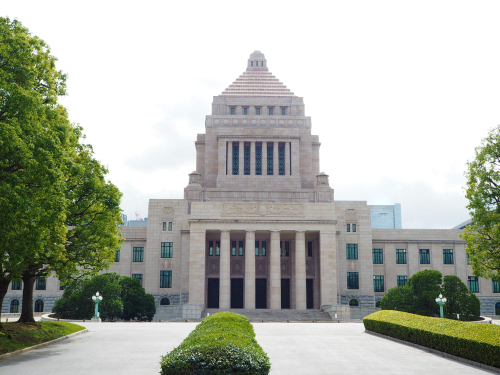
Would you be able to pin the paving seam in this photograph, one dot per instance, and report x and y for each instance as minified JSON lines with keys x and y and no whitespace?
{"x":21,"y":351}
{"x":434,"y":351}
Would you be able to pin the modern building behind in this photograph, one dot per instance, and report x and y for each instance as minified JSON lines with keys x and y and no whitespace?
{"x":386,"y":216}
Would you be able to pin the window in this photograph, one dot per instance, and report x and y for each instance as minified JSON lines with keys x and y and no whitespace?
{"x":170,"y":225}
{"x":348,"y":227}
{"x":240,"y":248}
{"x":117,"y":255}
{"x":246,"y":160}
{"x":378,"y":256}
{"x":378,"y":283}
{"x":270,"y":111}
{"x":41,"y":283}
{"x":233,"y":248}
{"x":251,"y":63}
{"x":352,"y":280}
{"x":263,"y":250}
{"x":137,"y":276}
{"x":281,"y":248}
{"x":496,"y":286}
{"x":469,"y":261}
{"x":257,"y":111}
{"x":138,"y":254}
{"x":17,"y":285}
{"x":354,"y":303}
{"x":270,"y":159}
{"x":256,"y":248}
{"x":352,"y":250}
{"x":164,"y":301}
{"x":310,"y":249}
{"x":447,"y":256}
{"x":217,"y":248}
{"x":473,"y":284}
{"x":167,"y":249}
{"x":210,"y":248}
{"x":402,"y":280}
{"x":236,"y":157}
{"x":165,"y":279}
{"x":283,"y":111}
{"x":400,"y":256}
{"x":233,"y":111}
{"x":14,"y":306}
{"x":258,"y":159}
{"x":354,"y":227}
{"x":245,"y":111}
{"x":38,"y":305}
{"x":164,"y":225}
{"x":281,"y":160}
{"x":425,"y":257}
{"x":287,"y":248}
{"x":497,"y":308}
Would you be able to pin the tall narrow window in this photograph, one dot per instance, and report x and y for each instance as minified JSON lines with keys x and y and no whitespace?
{"x":251,"y":63}
{"x":281,"y":160}
{"x":38,"y":305}
{"x":164,"y":225}
{"x":166,"y":249}
{"x":165,"y":279}
{"x":236,"y":157}
{"x":257,"y":111}
{"x":245,"y":111}
{"x":378,"y":283}
{"x":354,"y":227}
{"x":258,"y":159}
{"x":348,"y":227}
{"x":270,"y":159}
{"x":14,"y":306}
{"x":17,"y":285}
{"x":138,"y":254}
{"x":137,"y":276}
{"x":352,"y":250}
{"x":41,"y":283}
{"x":400,"y":256}
{"x":117,"y":255}
{"x":281,"y":248}
{"x":233,"y":111}
{"x":378,"y":256}
{"x":256,"y":248}
{"x":270,"y":111}
{"x":210,"y":248}
{"x":473,"y":284}
{"x":496,"y":286}
{"x":425,"y":257}
{"x":233,"y":248}
{"x":170,"y":225}
{"x":402,"y":280}
{"x":240,"y":248}
{"x":310,"y":249}
{"x":246,"y":159}
{"x":263,"y":252}
{"x":217,"y":248}
{"x":448,"y":256}
{"x":287,"y":248}
{"x":283,"y":111}
{"x":352,"y":280}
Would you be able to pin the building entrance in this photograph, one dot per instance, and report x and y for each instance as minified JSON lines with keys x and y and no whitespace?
{"x":236,"y":293}
{"x":261,"y":293}
{"x":310,"y":293}
{"x":285,"y":293}
{"x":213,"y":294}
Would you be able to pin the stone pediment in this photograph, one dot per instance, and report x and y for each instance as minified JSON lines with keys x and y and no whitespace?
{"x":262,"y":209}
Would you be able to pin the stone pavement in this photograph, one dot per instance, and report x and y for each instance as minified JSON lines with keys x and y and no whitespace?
{"x":294,"y":348}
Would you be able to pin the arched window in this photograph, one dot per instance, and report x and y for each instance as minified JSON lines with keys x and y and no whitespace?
{"x":165,"y":301}
{"x":38,"y":305}
{"x":14,"y":306}
{"x":353,"y":302}
{"x":377,"y":304}
{"x":497,"y":308}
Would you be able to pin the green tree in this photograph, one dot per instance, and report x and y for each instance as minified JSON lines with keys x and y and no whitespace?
{"x":136,"y":303}
{"x":426,"y":287}
{"x":483,"y":194}
{"x":459,"y":300}
{"x":399,"y":298}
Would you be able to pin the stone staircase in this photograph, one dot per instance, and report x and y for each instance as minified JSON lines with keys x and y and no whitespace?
{"x":266,"y":315}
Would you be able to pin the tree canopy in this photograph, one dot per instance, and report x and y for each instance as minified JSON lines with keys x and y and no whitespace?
{"x":483,"y":194}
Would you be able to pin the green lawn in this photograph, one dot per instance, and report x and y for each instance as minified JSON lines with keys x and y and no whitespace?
{"x":15,"y":336}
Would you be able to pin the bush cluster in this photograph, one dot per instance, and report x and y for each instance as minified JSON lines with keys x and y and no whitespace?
{"x":473,"y":341}
{"x":223,"y":343}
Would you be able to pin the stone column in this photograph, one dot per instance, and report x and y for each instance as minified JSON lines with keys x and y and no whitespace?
{"x":197,"y":266}
{"x":328,"y":266}
{"x":230,"y":158}
{"x":225,"y":271}
{"x":276,"y":170}
{"x":252,"y":158}
{"x":275,"y":271}
{"x":295,"y":158}
{"x":264,"y":159}
{"x":300,"y":270}
{"x":241,"y":164}
{"x":250,"y":270}
{"x":287,"y":158}
{"x":222,"y":158}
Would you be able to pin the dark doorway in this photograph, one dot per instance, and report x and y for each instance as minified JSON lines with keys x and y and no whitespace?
{"x":261,"y":293}
{"x":213,"y":294}
{"x":285,"y":293}
{"x":310,"y":293}
{"x":236,"y":293}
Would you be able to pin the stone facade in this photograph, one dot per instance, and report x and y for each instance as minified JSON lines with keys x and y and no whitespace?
{"x":259,"y":228}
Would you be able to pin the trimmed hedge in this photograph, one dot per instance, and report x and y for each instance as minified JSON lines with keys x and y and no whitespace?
{"x":473,"y":341}
{"x":223,"y":343}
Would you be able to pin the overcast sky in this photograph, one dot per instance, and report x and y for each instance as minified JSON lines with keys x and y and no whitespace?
{"x":400,"y":92}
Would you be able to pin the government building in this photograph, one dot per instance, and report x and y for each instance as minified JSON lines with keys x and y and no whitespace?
{"x":259,"y":226}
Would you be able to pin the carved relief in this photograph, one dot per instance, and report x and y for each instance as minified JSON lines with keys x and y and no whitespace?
{"x":352,"y":265}
{"x":237,"y":267}
{"x":262,"y":209}
{"x":258,"y":131}
{"x":168,"y":212}
{"x":166,"y":264}
{"x":350,"y":214}
{"x":285,"y":268}
{"x":260,"y":268}
{"x":213,"y":267}
{"x":309,"y":267}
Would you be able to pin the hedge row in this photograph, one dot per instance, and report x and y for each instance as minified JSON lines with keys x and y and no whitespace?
{"x":223,"y":343}
{"x":473,"y":341}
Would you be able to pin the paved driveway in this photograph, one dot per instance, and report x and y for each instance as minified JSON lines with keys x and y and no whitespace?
{"x":294,"y":348}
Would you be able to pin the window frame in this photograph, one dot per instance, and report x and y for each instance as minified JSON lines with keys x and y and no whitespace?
{"x":210,"y":248}
{"x":352,"y":280}
{"x":117,"y":256}
{"x":401,"y":253}
{"x":167,"y":250}
{"x":257,"y":111}
{"x":283,"y":111}
{"x":309,"y":249}
{"x":473,"y":283}
{"x":170,"y":224}
{"x":378,"y":284}
{"x":378,"y":256}
{"x":351,"y":251}
{"x":424,"y":256}
{"x":495,"y":286}
{"x":41,"y":283}
{"x":271,"y":111}
{"x":400,"y":278}
{"x":16,"y":305}
{"x":448,"y":256}
{"x":18,"y":285}
{"x":138,"y":254}
{"x":245,"y":111}
{"x":348,"y":227}
{"x":165,"y":279}
{"x":233,"y":111}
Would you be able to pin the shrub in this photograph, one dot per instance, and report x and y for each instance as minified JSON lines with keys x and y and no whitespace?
{"x":223,"y":343}
{"x":459,"y":300}
{"x":473,"y":341}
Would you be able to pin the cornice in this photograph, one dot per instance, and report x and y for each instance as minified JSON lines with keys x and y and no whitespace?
{"x":258,"y":136}
{"x":254,"y":221}
{"x":419,"y":241}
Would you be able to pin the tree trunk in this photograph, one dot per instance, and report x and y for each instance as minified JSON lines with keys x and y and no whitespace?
{"x":4,"y":287}
{"x":27,"y":310}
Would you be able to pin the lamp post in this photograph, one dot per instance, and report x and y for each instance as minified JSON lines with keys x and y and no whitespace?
{"x":97,"y":298}
{"x":441,"y":301}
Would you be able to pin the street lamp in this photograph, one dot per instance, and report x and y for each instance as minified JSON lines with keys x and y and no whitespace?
{"x":441,"y":301}
{"x":97,"y":298}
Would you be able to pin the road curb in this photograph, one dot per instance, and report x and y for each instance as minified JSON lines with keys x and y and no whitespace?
{"x":21,"y":351}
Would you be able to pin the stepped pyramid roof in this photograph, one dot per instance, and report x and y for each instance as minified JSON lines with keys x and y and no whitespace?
{"x":257,"y":80}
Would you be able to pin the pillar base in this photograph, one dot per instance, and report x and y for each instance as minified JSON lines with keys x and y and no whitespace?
{"x":96,"y":320}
